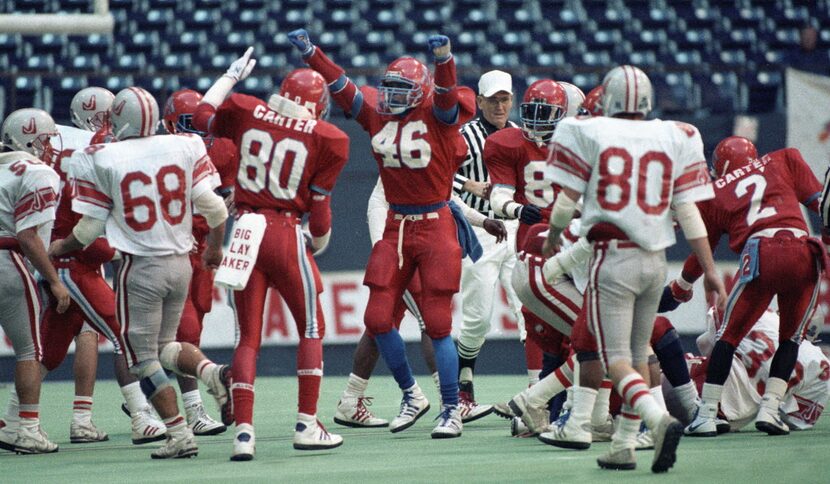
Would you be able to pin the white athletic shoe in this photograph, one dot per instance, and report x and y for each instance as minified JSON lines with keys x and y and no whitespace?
{"x":182,"y":445}
{"x":645,"y":439}
{"x":219,"y":386}
{"x":313,"y":436}
{"x":568,"y":433}
{"x":603,"y":433}
{"x":666,"y":438}
{"x":703,"y":424}
{"x":502,"y":409}
{"x":244,"y":444}
{"x":33,"y":441}
{"x":7,"y":436}
{"x":768,"y":419}
{"x":537,"y":419}
{"x":413,"y":405}
{"x":201,"y":423}
{"x":354,"y":412}
{"x":82,"y":433}
{"x":470,"y":410}
{"x":619,"y":460}
{"x":449,"y":423}
{"x":147,"y":427}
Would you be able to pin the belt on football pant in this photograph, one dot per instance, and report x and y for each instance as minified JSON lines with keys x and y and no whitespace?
{"x":774,"y":231}
{"x":412,"y":213}
{"x":9,"y":243}
{"x":606,"y":232}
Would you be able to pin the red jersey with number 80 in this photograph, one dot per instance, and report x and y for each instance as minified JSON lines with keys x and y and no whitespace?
{"x":763,"y":194}
{"x":143,"y":188}
{"x":282,"y":160}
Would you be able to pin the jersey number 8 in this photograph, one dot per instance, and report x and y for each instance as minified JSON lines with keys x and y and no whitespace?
{"x":173,"y":207}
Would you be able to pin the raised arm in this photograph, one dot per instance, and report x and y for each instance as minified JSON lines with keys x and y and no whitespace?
{"x":206,"y":111}
{"x":445,"y":107}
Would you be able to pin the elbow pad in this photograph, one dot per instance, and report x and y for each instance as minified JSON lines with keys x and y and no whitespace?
{"x":88,"y":229}
{"x":688,"y":216}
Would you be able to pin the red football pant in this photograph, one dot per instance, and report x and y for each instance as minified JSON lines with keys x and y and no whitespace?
{"x":199,"y":302}
{"x":430,"y":246}
{"x":788,"y":269}
{"x":93,"y":300}
{"x":285,"y":264}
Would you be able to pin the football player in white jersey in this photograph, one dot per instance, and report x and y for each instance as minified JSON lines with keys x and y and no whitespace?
{"x":28,"y":196}
{"x":141,"y":190}
{"x":631,"y":173}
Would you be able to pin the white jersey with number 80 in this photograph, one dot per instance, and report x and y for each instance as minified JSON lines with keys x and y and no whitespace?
{"x":631,"y":172}
{"x":143,"y":188}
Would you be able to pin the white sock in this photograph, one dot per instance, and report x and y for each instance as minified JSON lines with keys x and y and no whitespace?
{"x":466,"y":374}
{"x":205,"y":369}
{"x":625,"y":435}
{"x":711,"y":394}
{"x":774,"y":393}
{"x":82,"y":409}
{"x":356,"y":386}
{"x":192,"y":398}
{"x":533,"y":376}
{"x":657,"y":393}
{"x":635,"y":392}
{"x":545,"y":389}
{"x":134,"y":397}
{"x":583,"y":404}
{"x":599,"y":414}
{"x":306,"y":418}
{"x":12,"y":416}
{"x":687,"y":396}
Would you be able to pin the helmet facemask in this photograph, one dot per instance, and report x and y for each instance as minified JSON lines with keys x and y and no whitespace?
{"x":397,"y":94}
{"x":539,"y":119}
{"x":184,"y":124}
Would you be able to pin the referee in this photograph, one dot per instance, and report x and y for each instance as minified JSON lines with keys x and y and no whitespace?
{"x":478,"y":280}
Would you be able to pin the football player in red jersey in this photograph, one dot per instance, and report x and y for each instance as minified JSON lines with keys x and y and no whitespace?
{"x":178,"y":114}
{"x":757,"y":203}
{"x":516,"y":159}
{"x":289,"y":161}
{"x":413,"y":123}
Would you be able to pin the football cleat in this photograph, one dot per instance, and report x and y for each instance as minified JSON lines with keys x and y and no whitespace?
{"x":537,"y":419}
{"x":33,"y":441}
{"x":768,"y":419}
{"x":219,"y":386}
{"x":182,"y":445}
{"x":244,"y":444}
{"x":645,"y":439}
{"x":413,"y":406}
{"x":201,"y":423}
{"x":666,"y":438}
{"x":470,"y":410}
{"x":568,"y":433}
{"x":449,"y":423}
{"x":147,"y":427}
{"x":313,"y":436}
{"x":703,"y":424}
{"x":354,"y":412}
{"x":603,"y":433}
{"x":502,"y":409}
{"x":82,"y":433}
{"x":619,"y":460}
{"x":7,"y":436}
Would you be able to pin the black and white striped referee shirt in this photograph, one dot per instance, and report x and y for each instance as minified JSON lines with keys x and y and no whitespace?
{"x":474,"y":133}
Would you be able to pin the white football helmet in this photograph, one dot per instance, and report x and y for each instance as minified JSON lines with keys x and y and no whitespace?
{"x":90,"y":108}
{"x":135,"y":113}
{"x":33,"y":131}
{"x":575,"y":98}
{"x":627,"y":89}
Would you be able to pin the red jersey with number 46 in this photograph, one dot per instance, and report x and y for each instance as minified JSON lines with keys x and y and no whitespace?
{"x":760,"y":195}
{"x":282,"y":160}
{"x":143,"y":188}
{"x":519,"y":163}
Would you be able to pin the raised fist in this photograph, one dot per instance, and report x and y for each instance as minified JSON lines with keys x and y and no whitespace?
{"x":301,"y":41}
{"x":242,"y":67}
{"x":440,"y":46}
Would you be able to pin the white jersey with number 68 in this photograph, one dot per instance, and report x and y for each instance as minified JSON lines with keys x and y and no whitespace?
{"x":631,"y":172}
{"x":143,"y":188}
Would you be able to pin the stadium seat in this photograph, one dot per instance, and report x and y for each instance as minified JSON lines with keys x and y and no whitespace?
{"x":765,"y":92}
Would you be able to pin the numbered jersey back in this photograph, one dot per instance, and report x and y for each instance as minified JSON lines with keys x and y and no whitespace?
{"x":143,"y":188}
{"x":28,"y":195}
{"x":631,"y":172}
{"x":282,"y":160}
{"x":760,"y":195}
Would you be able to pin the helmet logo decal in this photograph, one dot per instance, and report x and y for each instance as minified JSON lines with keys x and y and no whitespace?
{"x":30,"y":128}
{"x":118,"y":108}
{"x":89,"y":105}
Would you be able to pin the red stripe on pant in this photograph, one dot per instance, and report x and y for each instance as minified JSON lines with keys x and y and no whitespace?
{"x":32,"y":300}
{"x":123,"y":306}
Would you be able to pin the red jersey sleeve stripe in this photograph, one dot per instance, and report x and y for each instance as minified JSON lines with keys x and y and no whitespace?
{"x":34,"y":202}
{"x":568,"y":161}
{"x":203,"y":169}
{"x":86,"y":191}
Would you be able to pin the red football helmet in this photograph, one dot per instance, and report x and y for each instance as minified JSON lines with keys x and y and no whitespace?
{"x":593,"y":102}
{"x":307,"y":88}
{"x":178,"y":111}
{"x":732,"y":152}
{"x":406,"y":84}
{"x":544,"y":104}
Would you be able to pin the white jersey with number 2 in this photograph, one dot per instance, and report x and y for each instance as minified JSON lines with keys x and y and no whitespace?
{"x":143,"y":188}
{"x":631,"y":172}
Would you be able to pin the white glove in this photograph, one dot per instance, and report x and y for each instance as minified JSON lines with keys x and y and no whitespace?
{"x":242,"y":67}
{"x":552,"y":270}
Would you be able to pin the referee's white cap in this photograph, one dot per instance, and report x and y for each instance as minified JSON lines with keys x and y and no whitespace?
{"x":492,"y":82}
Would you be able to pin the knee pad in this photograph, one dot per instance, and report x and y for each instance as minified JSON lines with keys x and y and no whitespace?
{"x":151,"y":376}
{"x":169,"y":356}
